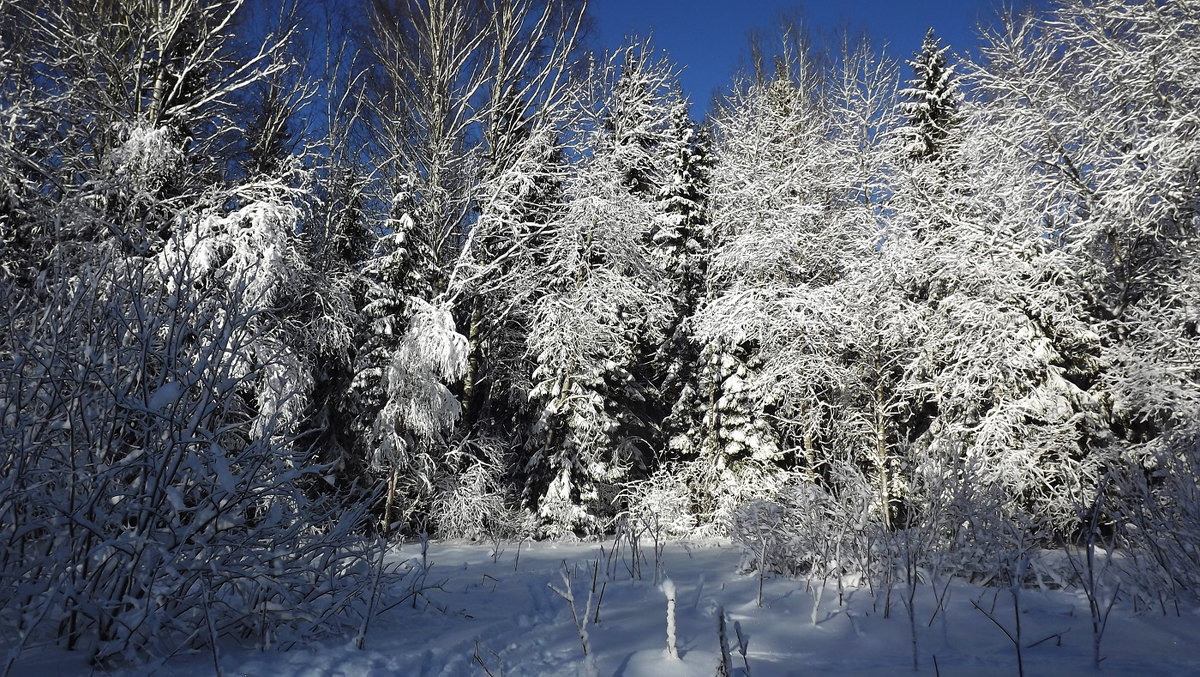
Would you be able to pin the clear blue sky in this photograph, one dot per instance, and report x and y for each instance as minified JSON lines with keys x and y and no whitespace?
{"x":707,"y":37}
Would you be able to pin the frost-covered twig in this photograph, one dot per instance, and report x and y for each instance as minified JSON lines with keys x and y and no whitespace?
{"x":479,"y":659}
{"x":911,"y":554}
{"x":1057,"y":637}
{"x":600,"y":599}
{"x":655,"y":528}
{"x":517,"y":560}
{"x":1091,"y":575}
{"x":497,"y":539}
{"x":725,"y":669}
{"x":581,"y":620}
{"x":361,"y":638}
{"x":939,"y":599}
{"x":627,"y":535}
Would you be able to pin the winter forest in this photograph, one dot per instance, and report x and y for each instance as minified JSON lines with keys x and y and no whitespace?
{"x":273,"y":300}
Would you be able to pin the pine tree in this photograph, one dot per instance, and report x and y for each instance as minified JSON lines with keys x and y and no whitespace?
{"x":681,"y":248}
{"x":592,"y":419}
{"x":931,"y":102}
{"x":737,"y":429}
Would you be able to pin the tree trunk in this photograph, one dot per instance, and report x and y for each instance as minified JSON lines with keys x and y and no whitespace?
{"x":881,"y":456}
{"x":810,"y":454}
{"x":471,"y":379}
{"x":391,"y":498}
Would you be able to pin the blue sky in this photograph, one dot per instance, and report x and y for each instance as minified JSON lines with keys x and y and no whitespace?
{"x":707,"y":37}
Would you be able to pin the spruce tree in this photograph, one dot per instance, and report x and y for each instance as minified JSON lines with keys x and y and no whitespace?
{"x":681,"y":248}
{"x":634,"y":123}
{"x":593,"y":396}
{"x":398,"y":280}
{"x":589,"y":428}
{"x":931,"y":102}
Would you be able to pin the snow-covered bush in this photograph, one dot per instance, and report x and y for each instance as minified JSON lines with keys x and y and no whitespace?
{"x":663,"y":501}
{"x":805,"y":530}
{"x":149,"y":503}
{"x":155,"y":495}
{"x":473,"y":497}
{"x":763,"y":530}
{"x":1156,"y":509}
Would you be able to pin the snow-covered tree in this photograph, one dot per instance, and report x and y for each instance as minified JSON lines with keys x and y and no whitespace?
{"x":531,"y":45}
{"x":419,"y":410}
{"x":590,"y":428}
{"x":426,"y":54}
{"x":85,"y":89}
{"x":984,"y":397}
{"x":681,"y":248}
{"x":634,"y":120}
{"x":767,"y":236}
{"x":1097,"y":100}
{"x":155,"y":370}
{"x":796,"y":193}
{"x":469,"y":102}
{"x":931,"y":101}
{"x":514,"y":236}
{"x":397,"y":345}
{"x":455,"y":81}
{"x":592,"y":394}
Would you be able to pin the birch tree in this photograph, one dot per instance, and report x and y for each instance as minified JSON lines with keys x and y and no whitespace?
{"x":1098,"y":98}
{"x":469,"y":102}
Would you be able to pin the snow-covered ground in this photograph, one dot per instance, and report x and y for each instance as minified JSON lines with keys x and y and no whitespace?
{"x":505,"y":612}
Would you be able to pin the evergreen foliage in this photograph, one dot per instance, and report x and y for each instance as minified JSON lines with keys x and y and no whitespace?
{"x":681,"y":238}
{"x":930,"y":102}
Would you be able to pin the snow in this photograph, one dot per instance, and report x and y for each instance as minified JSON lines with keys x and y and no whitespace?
{"x":504,"y":611}
{"x":162,"y":398}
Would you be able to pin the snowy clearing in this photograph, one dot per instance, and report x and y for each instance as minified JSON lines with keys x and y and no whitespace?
{"x":520,"y":626}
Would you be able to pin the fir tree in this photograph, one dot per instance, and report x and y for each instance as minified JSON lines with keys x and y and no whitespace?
{"x":931,"y":102}
{"x":592,"y":397}
{"x":681,"y":248}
